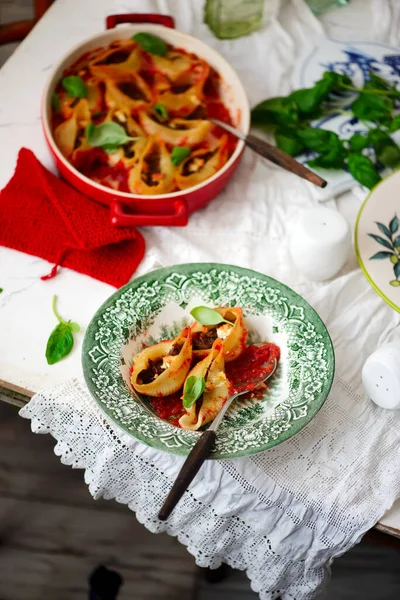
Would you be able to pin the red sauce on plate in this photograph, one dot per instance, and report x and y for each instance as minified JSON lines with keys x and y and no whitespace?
{"x":169,"y":408}
{"x":256,"y":362}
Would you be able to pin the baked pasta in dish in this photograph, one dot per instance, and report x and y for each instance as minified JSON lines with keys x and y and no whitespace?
{"x":188,"y":379}
{"x":133,"y":116}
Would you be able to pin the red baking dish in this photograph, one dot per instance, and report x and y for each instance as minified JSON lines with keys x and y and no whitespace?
{"x":130,"y":210}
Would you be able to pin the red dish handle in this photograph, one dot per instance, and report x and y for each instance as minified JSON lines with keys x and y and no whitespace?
{"x":120,"y":218}
{"x":114,"y":20}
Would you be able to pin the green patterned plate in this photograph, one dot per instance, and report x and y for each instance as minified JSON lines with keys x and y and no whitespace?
{"x":156,"y":306}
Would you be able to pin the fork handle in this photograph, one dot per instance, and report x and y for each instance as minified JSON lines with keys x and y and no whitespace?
{"x":190,"y":467}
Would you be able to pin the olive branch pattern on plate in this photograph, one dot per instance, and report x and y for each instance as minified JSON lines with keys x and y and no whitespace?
{"x":392,"y":244}
{"x":146,"y":307}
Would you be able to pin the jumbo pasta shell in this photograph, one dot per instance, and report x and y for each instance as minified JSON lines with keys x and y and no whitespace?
{"x":216,"y":392}
{"x":166,"y":380}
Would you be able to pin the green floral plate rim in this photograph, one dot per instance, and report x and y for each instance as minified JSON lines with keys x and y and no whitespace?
{"x":158,"y":304}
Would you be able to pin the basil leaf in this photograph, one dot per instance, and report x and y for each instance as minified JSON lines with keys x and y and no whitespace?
{"x":378,"y":83}
{"x":381,"y":255}
{"x":178,"y":154}
{"x":286,"y":140}
{"x":161,"y":111}
{"x":73,"y":326}
{"x":150,"y":43}
{"x":369,"y":107}
{"x":363,"y":170}
{"x":59,"y":344}
{"x":275,"y":111}
{"x":55,"y":102}
{"x":358,"y":142}
{"x":387,"y":152}
{"x":394,"y":124}
{"x":74,"y":86}
{"x":334,"y":159}
{"x":106,"y":135}
{"x":319,"y":140}
{"x":61,"y":340}
{"x":194,"y":387}
{"x":207,"y":316}
{"x":336,"y":81}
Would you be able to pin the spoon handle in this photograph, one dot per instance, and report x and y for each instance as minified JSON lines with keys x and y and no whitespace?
{"x":189,"y":470}
{"x":278,"y":157}
{"x":274,"y":154}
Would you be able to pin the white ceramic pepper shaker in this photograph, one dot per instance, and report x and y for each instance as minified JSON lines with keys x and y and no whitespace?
{"x":320,"y":242}
{"x":381,"y":376}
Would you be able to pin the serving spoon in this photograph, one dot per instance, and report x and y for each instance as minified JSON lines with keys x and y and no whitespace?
{"x":202,"y":448}
{"x":273,"y":154}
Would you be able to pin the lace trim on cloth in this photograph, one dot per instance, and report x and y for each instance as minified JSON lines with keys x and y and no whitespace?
{"x":234,"y":512}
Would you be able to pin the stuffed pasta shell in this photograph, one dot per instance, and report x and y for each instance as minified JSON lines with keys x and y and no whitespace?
{"x":161,"y":370}
{"x":216,"y":392}
{"x":233,"y":336}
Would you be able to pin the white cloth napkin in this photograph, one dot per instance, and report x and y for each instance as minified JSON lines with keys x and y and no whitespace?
{"x":285,"y":514}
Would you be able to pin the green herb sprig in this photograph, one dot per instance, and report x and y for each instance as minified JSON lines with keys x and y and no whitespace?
{"x":194,"y":387}
{"x":207,"y":316}
{"x":108,"y":136}
{"x":74,"y":86}
{"x":289,"y":118}
{"x":179,"y":154}
{"x":391,"y":243}
{"x":61,"y":339}
{"x":150,"y":43}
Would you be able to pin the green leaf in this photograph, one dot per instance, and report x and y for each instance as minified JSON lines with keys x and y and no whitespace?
{"x":394,"y":124}
{"x":358,"y":142}
{"x":74,"y":86}
{"x":274,"y":111}
{"x":396,"y":241}
{"x":336,"y":81}
{"x":55,"y":102}
{"x":331,"y":160}
{"x":386,"y":231}
{"x":150,"y":43}
{"x":363,"y":170}
{"x":74,"y":326}
{"x":207,"y":316}
{"x":387,"y":152}
{"x":381,"y":255}
{"x":378,"y":83}
{"x":107,"y":135}
{"x":178,"y":154}
{"x":194,"y":387}
{"x":394,"y":224}
{"x":381,"y":241}
{"x":369,"y":107}
{"x":319,"y":140}
{"x":59,"y":344}
{"x":396,"y":269}
{"x":1,"y":290}
{"x":161,"y":111}
{"x":110,"y":148}
{"x":286,"y":140}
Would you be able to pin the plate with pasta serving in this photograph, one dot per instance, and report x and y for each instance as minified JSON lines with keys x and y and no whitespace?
{"x":183,"y":337}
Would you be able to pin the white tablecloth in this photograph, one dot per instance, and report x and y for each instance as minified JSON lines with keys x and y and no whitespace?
{"x":285,"y":514}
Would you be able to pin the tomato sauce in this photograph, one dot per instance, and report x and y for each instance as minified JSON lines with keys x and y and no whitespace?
{"x":169,"y":408}
{"x":255,"y":363}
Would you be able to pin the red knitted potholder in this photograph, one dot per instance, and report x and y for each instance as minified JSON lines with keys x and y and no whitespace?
{"x":43,"y":216}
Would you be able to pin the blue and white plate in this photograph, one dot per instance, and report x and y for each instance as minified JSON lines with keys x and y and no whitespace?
{"x":354,"y":59}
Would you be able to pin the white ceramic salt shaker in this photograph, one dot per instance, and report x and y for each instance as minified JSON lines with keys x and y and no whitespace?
{"x":381,"y":376}
{"x":320,"y":242}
